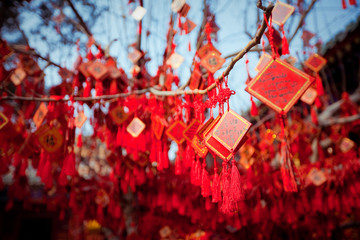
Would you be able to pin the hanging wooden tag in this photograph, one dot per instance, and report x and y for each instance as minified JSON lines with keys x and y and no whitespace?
{"x":118,"y":115}
{"x":135,"y":127}
{"x":263,"y":61}
{"x":3,"y":120}
{"x":158,"y":125}
{"x":315,"y":62}
{"x":281,"y":13}
{"x":80,"y":119}
{"x":309,"y":96}
{"x":185,"y":10}
{"x":190,"y":130}
{"x":228,"y":135}
{"x":138,"y":13}
{"x":114,"y":73}
{"x":40,"y":114}
{"x":83,"y":68}
{"x":175,"y":60}
{"x":134,"y":56}
{"x":188,"y":26}
{"x":177,"y":5}
{"x":98,"y":70}
{"x":51,"y":140}
{"x":195,"y":79}
{"x":199,"y":147}
{"x":279,"y":85}
{"x":175,"y":132}
{"x":316,"y":176}
{"x":5,"y":50}
{"x":212,"y":62}
{"x":204,"y":50}
{"x":346,"y":145}
{"x":18,"y":76}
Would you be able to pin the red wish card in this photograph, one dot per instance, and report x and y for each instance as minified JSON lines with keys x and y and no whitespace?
{"x":18,"y":76}
{"x":118,"y":115}
{"x":175,"y":132}
{"x":158,"y":125}
{"x":134,"y":56}
{"x":204,"y":50}
{"x":281,"y":13}
{"x":315,"y":62}
{"x":188,"y":26}
{"x":195,"y":79}
{"x":40,"y":114}
{"x":135,"y":127}
{"x":83,"y":68}
{"x":98,"y":70}
{"x":279,"y":85}
{"x":206,"y":127}
{"x":199,"y":147}
{"x":228,"y":135}
{"x":190,"y":130}
{"x":80,"y":119}
{"x":212,"y":62}
{"x":346,"y":145}
{"x":51,"y":140}
{"x":309,"y":96}
{"x":3,"y":120}
{"x":114,"y":73}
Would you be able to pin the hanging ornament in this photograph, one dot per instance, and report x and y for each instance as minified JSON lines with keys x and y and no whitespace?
{"x":315,"y":62}
{"x":138,"y":13}
{"x":279,"y":85}
{"x":135,"y":127}
{"x":40,"y":114}
{"x":281,"y":13}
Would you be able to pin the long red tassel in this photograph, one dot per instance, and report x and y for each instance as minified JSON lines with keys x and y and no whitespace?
{"x":343,"y":4}
{"x":205,"y":181}
{"x":46,"y":176}
{"x":352,"y":2}
{"x":79,"y":140}
{"x":197,"y":180}
{"x":287,"y":172}
{"x":236,"y":189}
{"x":87,"y":89}
{"x":192,"y":172}
{"x":42,"y":162}
{"x":165,"y":157}
{"x":314,"y":117}
{"x":285,"y":45}
{"x":226,"y":203}
{"x":254,"y":110}
{"x":216,"y":191}
{"x":119,"y":137}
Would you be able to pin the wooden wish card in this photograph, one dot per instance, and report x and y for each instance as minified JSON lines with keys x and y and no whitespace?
{"x":281,"y":13}
{"x":135,"y":127}
{"x":40,"y":114}
{"x":191,"y":129}
{"x":228,"y":135}
{"x":175,"y":132}
{"x":309,"y":96}
{"x":279,"y":85}
{"x":118,"y":114}
{"x":204,"y":50}
{"x":212,"y":62}
{"x":315,"y":62}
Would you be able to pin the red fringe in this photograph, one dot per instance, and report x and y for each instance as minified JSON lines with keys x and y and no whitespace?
{"x":119,"y":137}
{"x":319,"y":86}
{"x":165,"y":157}
{"x":113,"y":87}
{"x":99,"y":88}
{"x":192,"y":172}
{"x":197,"y":179}
{"x":46,"y":175}
{"x":23,"y":167}
{"x":314,"y":115}
{"x":343,"y":4}
{"x":43,"y":157}
{"x":254,"y":110}
{"x":79,"y":140}
{"x":285,"y":45}
{"x":236,"y":189}
{"x":216,"y":192}
{"x":205,"y":182}
{"x":287,"y":172}
{"x":87,"y":89}
{"x":226,"y":203}
{"x":178,"y":163}
{"x":352,"y":2}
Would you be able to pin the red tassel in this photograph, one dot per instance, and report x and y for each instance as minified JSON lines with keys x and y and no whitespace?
{"x":314,"y":115}
{"x":69,"y":165}
{"x":189,"y":156}
{"x":87,"y":89}
{"x":178,"y":163}
{"x":62,"y":179}
{"x":236,"y":189}
{"x":42,"y":162}
{"x":17,"y":160}
{"x":285,"y":45}
{"x":192,"y":172}
{"x":287,"y":172}
{"x":197,"y":180}
{"x":165,"y":157}
{"x":99,"y":88}
{"x":119,"y":137}
{"x":23,"y":167}
{"x":205,"y":181}
{"x":179,"y":24}
{"x":319,"y":86}
{"x":343,"y":4}
{"x":62,"y":215}
{"x":226,"y":205}
{"x":79,"y":140}
{"x":216,"y":192}
{"x":254,"y":110}
{"x":352,"y":2}
{"x":46,"y":176}
{"x":113,"y":87}
{"x":189,"y":46}
{"x":18,"y":90}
